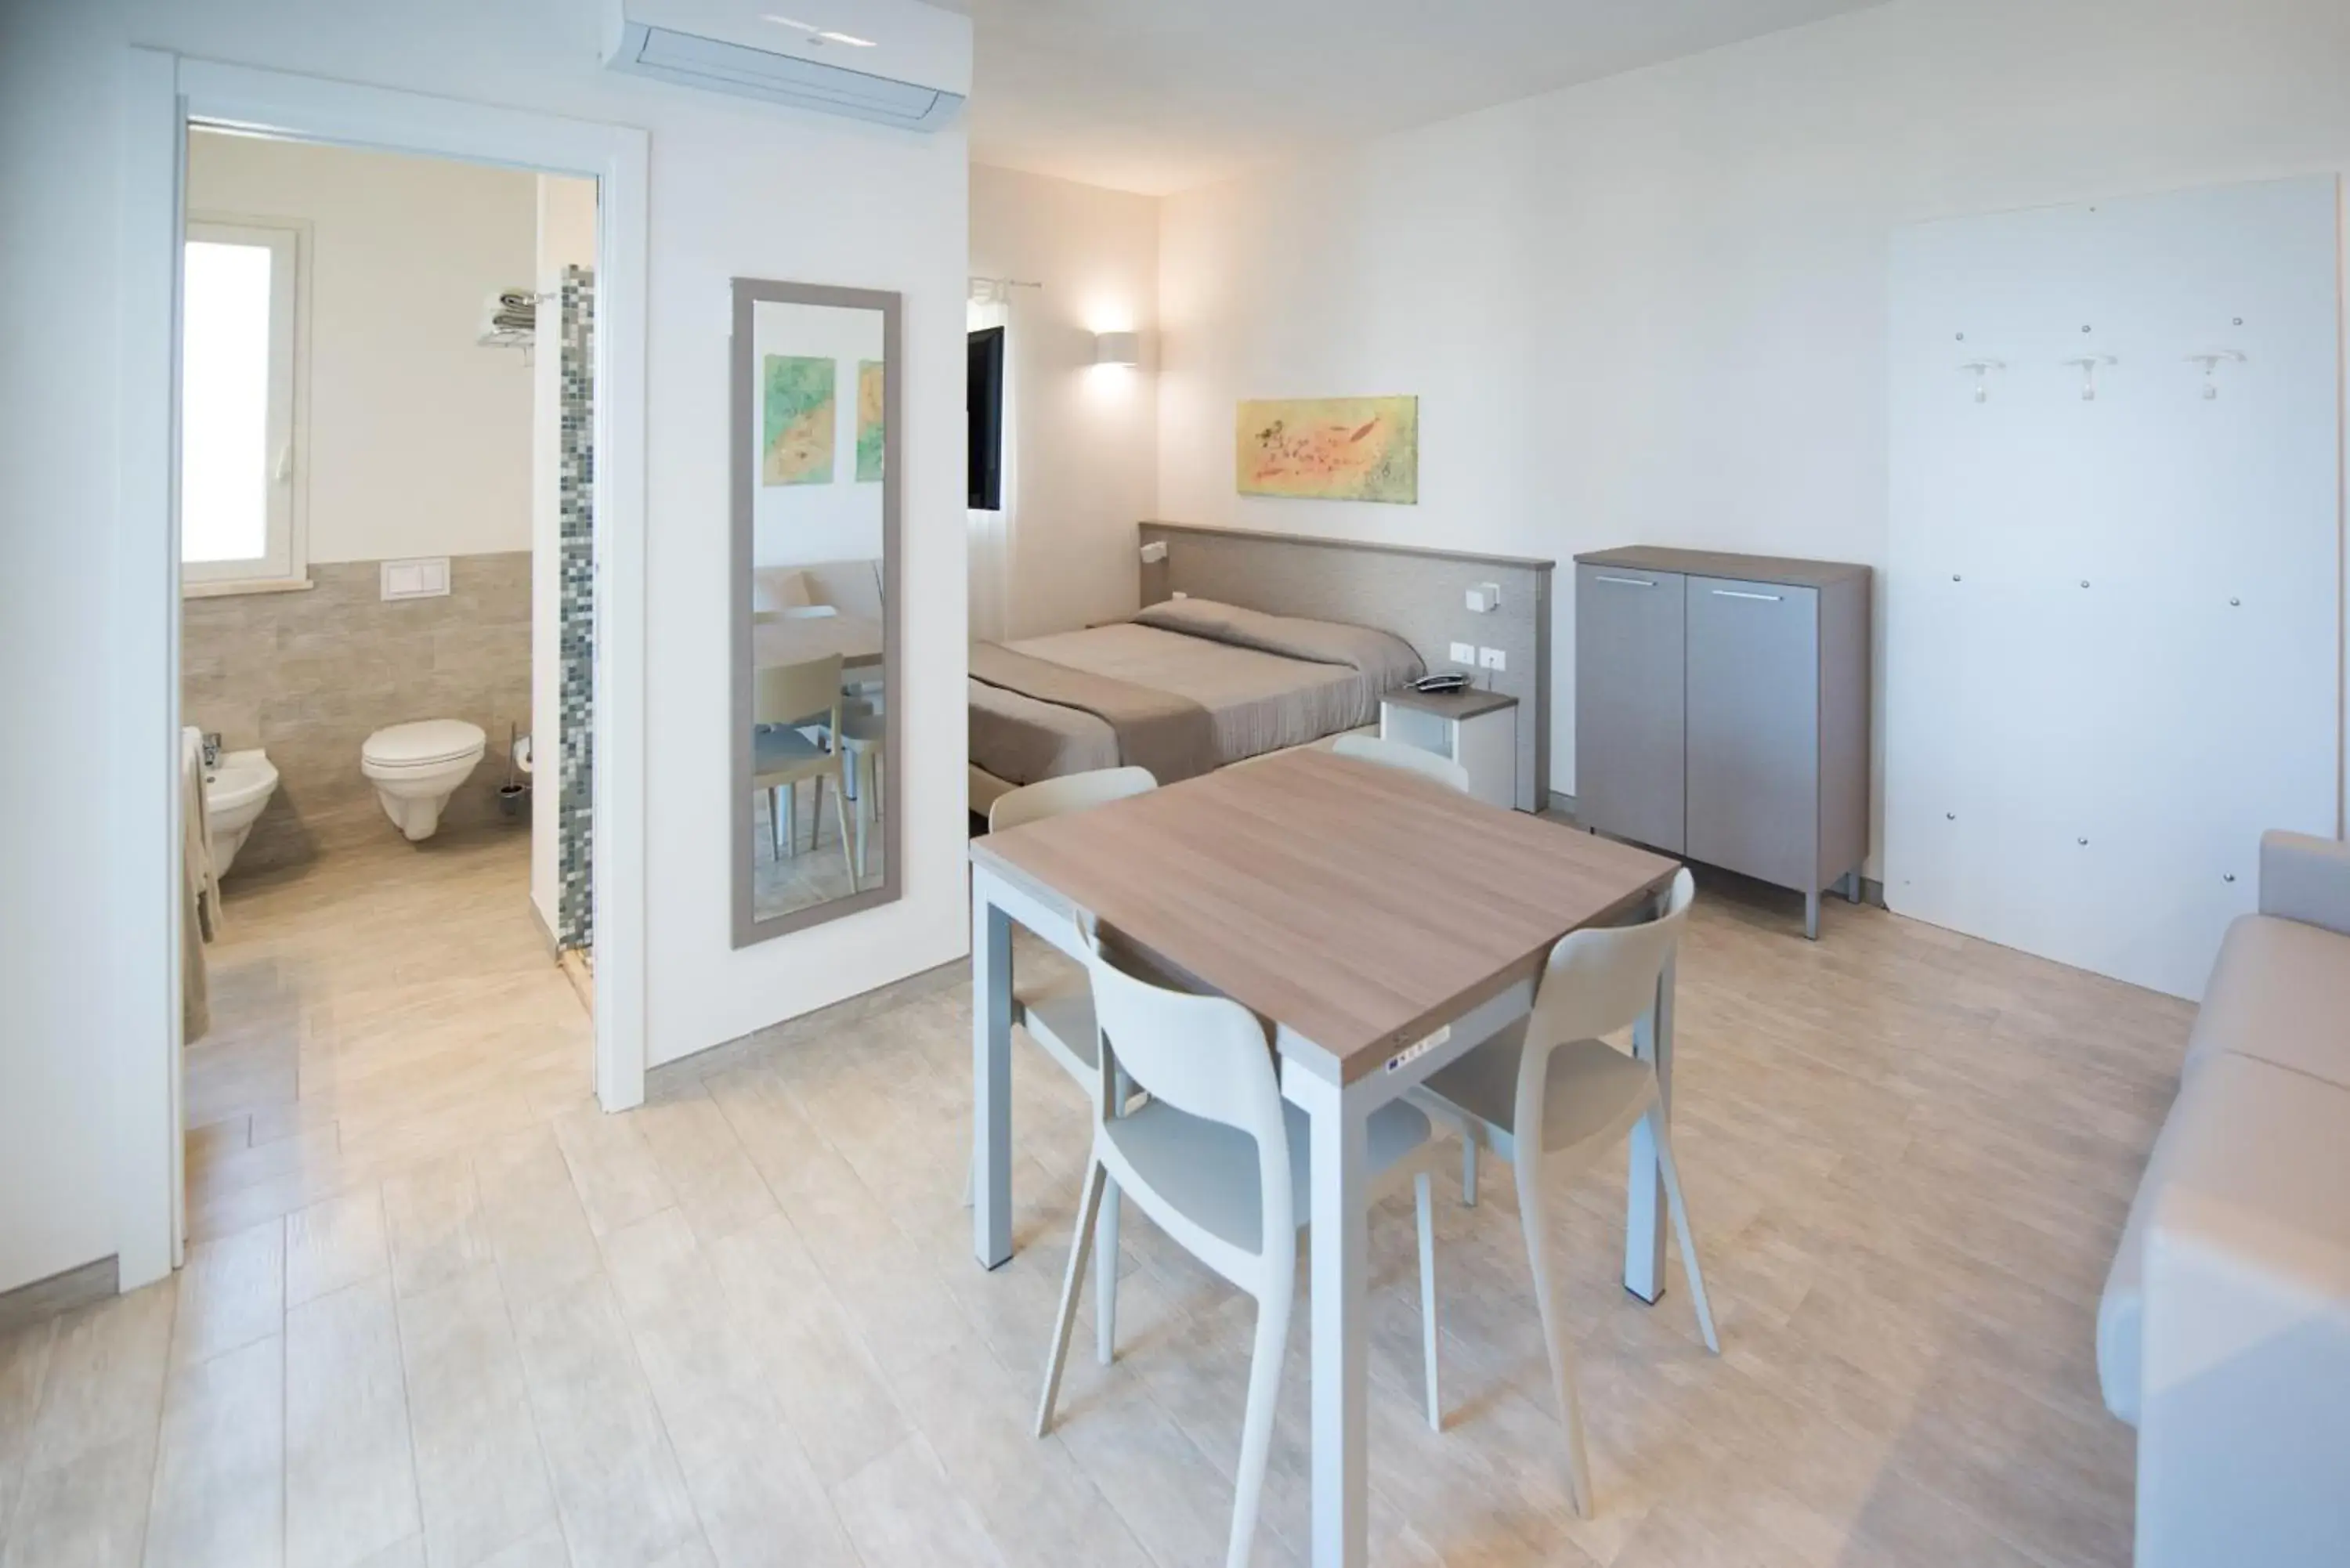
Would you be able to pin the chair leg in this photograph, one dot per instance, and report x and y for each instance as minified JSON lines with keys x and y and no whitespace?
{"x":1097,"y":1178}
{"x":1468,"y":1169}
{"x":1530,"y":1216}
{"x":1256,"y":1422}
{"x":1105,"y":1278}
{"x":840,"y":816}
{"x":1424,"y":1198}
{"x":864,"y":804}
{"x":1672,"y":1175}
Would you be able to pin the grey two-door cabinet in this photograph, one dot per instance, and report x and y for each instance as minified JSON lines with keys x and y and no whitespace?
{"x":1721,"y":711}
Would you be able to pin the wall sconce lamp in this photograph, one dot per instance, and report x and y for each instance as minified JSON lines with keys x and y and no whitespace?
{"x":1117,"y":349}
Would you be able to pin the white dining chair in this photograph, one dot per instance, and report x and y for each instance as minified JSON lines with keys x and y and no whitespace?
{"x":1550,"y":1097}
{"x":1218,"y":1161}
{"x":1409,"y":759}
{"x":1070,"y":791}
{"x":1059,"y":1013}
{"x":1395,"y":755}
{"x":785,"y":699}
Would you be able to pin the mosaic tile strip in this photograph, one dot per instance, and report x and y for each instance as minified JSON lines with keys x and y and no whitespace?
{"x":575,"y":503}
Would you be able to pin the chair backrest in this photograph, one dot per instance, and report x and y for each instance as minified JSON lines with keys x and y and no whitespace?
{"x":1071,"y":792}
{"x":1207,"y":1056}
{"x":798,"y":693}
{"x":1407,"y":758}
{"x":779,"y":587}
{"x":1604,"y":979}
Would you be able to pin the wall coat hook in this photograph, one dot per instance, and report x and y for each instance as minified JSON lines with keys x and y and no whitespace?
{"x":2089,"y":364}
{"x":2211,"y":360}
{"x":1981,"y":369}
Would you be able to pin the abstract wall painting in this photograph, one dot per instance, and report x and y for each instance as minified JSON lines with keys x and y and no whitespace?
{"x":1329,"y":449}
{"x":871,"y":438}
{"x":796,"y":439}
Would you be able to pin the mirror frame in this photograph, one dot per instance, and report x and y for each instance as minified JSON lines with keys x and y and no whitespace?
{"x":748,"y":293}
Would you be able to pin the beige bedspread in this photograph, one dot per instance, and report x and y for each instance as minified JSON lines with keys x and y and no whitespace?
{"x":1265,"y":682}
{"x":1171,"y":734}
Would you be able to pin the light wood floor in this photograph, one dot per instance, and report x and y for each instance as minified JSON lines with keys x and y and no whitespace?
{"x":743,"y":1326}
{"x":806,"y":875}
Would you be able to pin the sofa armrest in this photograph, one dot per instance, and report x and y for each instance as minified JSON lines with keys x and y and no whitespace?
{"x":2306,"y":879}
{"x":2245,"y":1330}
{"x":2243,"y":1430}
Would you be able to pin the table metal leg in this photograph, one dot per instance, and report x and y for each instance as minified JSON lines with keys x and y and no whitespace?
{"x":1645,"y":1209}
{"x":1340,"y":1244}
{"x":990,"y":1079}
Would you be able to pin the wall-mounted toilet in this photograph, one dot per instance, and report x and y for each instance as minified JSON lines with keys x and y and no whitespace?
{"x":415,"y":768}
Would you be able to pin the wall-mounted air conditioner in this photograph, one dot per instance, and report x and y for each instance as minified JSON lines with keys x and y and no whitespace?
{"x":895,"y":61}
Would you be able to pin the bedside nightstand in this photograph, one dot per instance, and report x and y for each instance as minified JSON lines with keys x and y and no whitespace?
{"x":1479,"y":730}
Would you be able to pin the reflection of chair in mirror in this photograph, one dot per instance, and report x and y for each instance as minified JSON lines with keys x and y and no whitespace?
{"x":862,"y":729}
{"x":784,"y":698}
{"x":779,"y":587}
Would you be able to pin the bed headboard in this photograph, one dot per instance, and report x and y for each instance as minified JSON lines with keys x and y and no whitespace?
{"x":1420,"y":596}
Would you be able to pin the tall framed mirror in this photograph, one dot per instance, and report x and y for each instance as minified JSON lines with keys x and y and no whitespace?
{"x":816,"y":498}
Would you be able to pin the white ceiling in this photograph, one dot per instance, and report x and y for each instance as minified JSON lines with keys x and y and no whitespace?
{"x":1160,"y":94}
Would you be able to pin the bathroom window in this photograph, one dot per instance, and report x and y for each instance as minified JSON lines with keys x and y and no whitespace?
{"x":239,"y":434}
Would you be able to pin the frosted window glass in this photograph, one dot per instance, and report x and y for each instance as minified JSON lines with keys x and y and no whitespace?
{"x":224,"y":458}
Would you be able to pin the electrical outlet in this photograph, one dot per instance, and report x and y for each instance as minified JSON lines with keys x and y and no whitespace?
{"x":1491,"y":658}
{"x":1464,"y":654}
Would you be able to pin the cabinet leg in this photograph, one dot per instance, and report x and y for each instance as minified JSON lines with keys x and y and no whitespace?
{"x":1852,"y":885}
{"x":1812,"y":915}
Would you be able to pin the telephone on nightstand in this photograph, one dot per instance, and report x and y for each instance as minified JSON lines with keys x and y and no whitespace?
{"x":1446,"y":681}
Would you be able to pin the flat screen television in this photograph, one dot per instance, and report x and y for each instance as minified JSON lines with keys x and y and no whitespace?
{"x":983,"y":400}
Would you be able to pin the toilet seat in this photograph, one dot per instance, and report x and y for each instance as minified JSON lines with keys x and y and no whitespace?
{"x":426,"y":743}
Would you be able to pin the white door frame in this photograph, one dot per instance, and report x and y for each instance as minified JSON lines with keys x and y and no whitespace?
{"x":162,"y":93}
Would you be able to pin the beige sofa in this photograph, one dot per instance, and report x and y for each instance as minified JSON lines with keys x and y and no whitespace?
{"x":2224,"y":1332}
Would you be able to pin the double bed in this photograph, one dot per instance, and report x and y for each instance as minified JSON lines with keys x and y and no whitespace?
{"x":1187,"y":686}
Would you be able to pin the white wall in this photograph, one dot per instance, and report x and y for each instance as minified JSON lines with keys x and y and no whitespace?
{"x":796,"y":524}
{"x":566,"y":237}
{"x":419,"y":437}
{"x":867,"y":207}
{"x":1653,"y":308}
{"x":1086,"y":459}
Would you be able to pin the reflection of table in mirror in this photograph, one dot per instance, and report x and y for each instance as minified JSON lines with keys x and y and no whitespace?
{"x":796,"y":639}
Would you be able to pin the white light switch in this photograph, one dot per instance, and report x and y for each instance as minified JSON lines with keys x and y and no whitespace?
{"x":1462,"y":653}
{"x":1491,"y":658}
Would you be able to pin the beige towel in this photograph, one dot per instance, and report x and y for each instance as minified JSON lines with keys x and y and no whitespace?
{"x":199,"y":890}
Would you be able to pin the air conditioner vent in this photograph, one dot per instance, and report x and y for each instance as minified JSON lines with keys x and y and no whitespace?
{"x":912,"y":72}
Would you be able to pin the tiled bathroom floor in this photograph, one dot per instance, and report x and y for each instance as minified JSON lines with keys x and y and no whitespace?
{"x":370,"y":1011}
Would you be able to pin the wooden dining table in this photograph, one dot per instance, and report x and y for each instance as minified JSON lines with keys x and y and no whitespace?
{"x":1381,"y":926}
{"x":777,"y":639}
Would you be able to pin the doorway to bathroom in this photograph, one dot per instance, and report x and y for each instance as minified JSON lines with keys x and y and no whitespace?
{"x":387,"y":665}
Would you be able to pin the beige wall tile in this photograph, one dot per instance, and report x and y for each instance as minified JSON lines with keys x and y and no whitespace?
{"x":309,"y":675}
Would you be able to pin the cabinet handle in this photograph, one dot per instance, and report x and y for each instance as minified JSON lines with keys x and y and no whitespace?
{"x":1739,"y":594}
{"x":1627,"y":582}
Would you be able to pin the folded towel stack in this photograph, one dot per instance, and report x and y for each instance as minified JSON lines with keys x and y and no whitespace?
{"x":514,"y":310}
